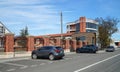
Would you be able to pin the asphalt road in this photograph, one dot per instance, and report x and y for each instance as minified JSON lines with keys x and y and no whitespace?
{"x":83,"y":62}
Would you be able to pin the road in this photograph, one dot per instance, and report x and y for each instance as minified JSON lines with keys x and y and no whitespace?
{"x":83,"y":62}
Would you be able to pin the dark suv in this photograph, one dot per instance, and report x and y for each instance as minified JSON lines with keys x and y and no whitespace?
{"x":87,"y":49}
{"x":93,"y":46}
{"x":51,"y":52}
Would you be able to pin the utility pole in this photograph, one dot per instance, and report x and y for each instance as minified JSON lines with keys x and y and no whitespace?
{"x":61,"y":21}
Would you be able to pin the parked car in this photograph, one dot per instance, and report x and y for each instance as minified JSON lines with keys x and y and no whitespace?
{"x":51,"y":52}
{"x":86,"y":49}
{"x":110,"y":49}
{"x":93,"y":46}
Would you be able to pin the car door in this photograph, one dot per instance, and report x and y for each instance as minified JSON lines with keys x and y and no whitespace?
{"x":83,"y":49}
{"x":47,"y":50}
{"x":40,"y":52}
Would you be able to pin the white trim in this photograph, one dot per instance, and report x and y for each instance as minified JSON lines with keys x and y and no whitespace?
{"x":91,"y":29}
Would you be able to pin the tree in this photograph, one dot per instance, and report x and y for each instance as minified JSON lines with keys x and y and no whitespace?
{"x":107,"y":27}
{"x":24,"y":32}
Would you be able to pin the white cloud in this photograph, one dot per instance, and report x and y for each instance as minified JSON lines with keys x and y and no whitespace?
{"x":21,"y":13}
{"x":35,"y":14}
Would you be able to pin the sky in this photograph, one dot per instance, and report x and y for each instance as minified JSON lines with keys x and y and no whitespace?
{"x":43,"y":16}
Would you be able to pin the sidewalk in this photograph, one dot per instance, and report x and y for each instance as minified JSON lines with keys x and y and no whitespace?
{"x":14,"y":54}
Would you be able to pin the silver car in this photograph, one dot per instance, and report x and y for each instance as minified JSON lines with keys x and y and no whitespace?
{"x":110,"y":49}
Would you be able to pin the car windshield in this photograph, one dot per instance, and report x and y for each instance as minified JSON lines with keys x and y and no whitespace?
{"x":58,"y":47}
{"x":110,"y":47}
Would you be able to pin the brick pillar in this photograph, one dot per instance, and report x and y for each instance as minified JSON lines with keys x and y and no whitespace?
{"x":80,"y":44}
{"x":46,"y":41}
{"x":58,"y":42}
{"x":9,"y":42}
{"x":30,"y":43}
{"x":67,"y":45}
{"x":82,"y":24}
{"x":74,"y":44}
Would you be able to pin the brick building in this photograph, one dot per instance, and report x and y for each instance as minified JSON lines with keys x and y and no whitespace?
{"x":82,"y":25}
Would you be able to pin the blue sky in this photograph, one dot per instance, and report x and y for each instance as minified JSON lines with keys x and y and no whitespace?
{"x":43,"y":16}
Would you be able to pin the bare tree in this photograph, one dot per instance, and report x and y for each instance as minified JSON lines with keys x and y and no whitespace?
{"x":107,"y":27}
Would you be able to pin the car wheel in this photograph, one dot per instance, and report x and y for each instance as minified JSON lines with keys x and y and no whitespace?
{"x":77,"y":51}
{"x":34,"y":56}
{"x":51,"y":57}
{"x":94,"y":51}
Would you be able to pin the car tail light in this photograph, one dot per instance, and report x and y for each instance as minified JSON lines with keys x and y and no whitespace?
{"x":57,"y":51}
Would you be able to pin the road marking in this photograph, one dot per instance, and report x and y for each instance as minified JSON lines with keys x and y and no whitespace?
{"x":67,"y":58}
{"x":96,"y":63}
{"x":10,"y":70}
{"x":33,"y":65}
{"x":50,"y":62}
{"x":14,"y":64}
{"x":24,"y":67}
{"x":7,"y":60}
{"x":42,"y":64}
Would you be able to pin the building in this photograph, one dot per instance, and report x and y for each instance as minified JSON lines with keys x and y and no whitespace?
{"x":3,"y":30}
{"x":84,"y":29}
{"x":82,"y":25}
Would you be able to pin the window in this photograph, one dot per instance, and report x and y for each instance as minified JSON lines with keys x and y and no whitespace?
{"x":90,"y":30}
{"x":91,"y":25}
{"x":48,"y":47}
{"x":77,"y":27}
{"x":82,"y":38}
